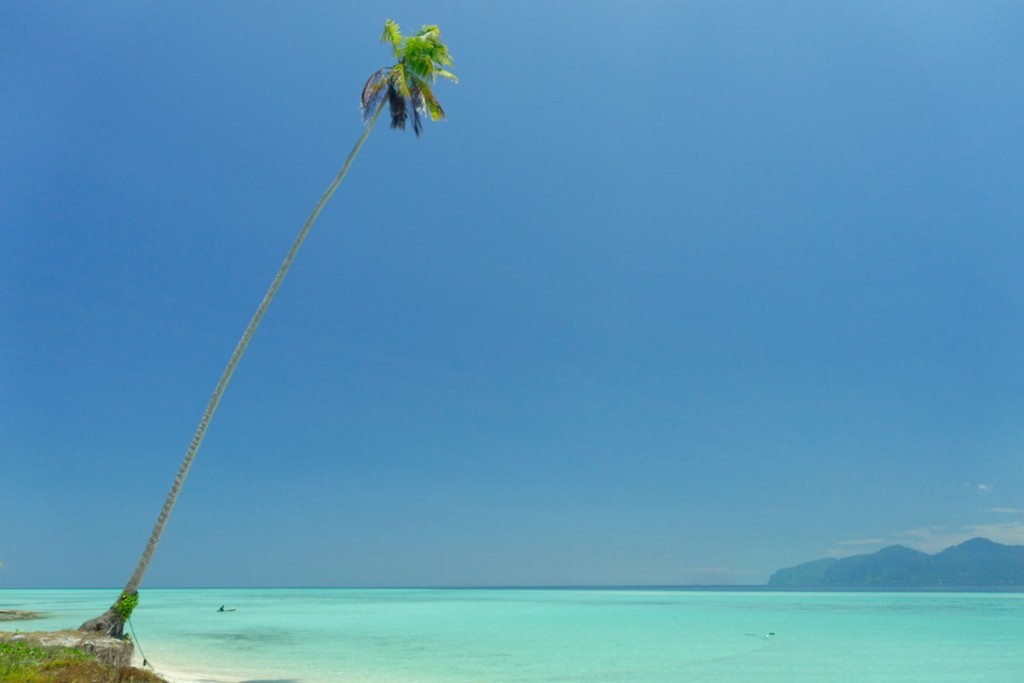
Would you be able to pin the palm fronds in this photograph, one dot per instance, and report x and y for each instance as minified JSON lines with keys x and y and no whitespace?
{"x":397,"y":105}
{"x":406,"y":86}
{"x":392,"y":36}
{"x":374,"y":92}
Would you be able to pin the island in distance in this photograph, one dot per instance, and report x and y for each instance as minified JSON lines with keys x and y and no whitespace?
{"x":976,"y":563}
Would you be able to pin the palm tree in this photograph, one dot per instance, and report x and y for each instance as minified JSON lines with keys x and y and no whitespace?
{"x":406,"y":88}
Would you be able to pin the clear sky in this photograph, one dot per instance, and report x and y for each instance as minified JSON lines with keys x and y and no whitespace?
{"x":679,"y":293}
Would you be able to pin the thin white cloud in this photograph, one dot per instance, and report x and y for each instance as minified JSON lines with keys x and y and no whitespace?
{"x":936,"y":539}
{"x":1007,"y":511}
{"x":1010,"y":533}
{"x":716,"y":575}
{"x":856,"y":546}
{"x":985,"y":488}
{"x":863,"y":541}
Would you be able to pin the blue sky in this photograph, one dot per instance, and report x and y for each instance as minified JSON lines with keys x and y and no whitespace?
{"x":679,"y":293}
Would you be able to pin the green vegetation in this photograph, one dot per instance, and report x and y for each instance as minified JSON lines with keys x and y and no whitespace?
{"x":125,"y":605}
{"x":22,"y":663}
{"x":406,"y":87}
{"x":17,"y":657}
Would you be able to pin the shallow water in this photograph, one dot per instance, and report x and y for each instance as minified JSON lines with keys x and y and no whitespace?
{"x":562,"y":636}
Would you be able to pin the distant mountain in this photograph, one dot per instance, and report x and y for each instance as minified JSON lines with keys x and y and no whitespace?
{"x":977,"y":562}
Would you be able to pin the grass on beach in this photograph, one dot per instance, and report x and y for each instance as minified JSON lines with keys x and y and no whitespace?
{"x":22,"y":663}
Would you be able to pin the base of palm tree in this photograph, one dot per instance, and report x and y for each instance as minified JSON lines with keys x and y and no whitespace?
{"x":109,"y":623}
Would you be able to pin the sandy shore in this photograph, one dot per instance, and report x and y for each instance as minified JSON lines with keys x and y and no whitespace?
{"x":183,"y":677}
{"x":179,"y":676}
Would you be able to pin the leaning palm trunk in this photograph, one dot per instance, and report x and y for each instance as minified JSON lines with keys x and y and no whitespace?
{"x":112,"y":621}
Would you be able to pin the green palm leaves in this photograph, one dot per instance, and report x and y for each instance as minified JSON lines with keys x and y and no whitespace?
{"x":407,"y":84}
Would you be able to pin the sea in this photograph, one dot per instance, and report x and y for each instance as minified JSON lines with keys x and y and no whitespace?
{"x":558,"y":635}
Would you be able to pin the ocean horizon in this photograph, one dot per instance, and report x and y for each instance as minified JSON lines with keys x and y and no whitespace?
{"x":557,"y":634}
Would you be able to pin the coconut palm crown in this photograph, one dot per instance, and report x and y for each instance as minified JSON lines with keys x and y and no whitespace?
{"x":406,"y":86}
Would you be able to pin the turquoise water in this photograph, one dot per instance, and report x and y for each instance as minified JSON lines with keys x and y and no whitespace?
{"x":563,"y":636}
